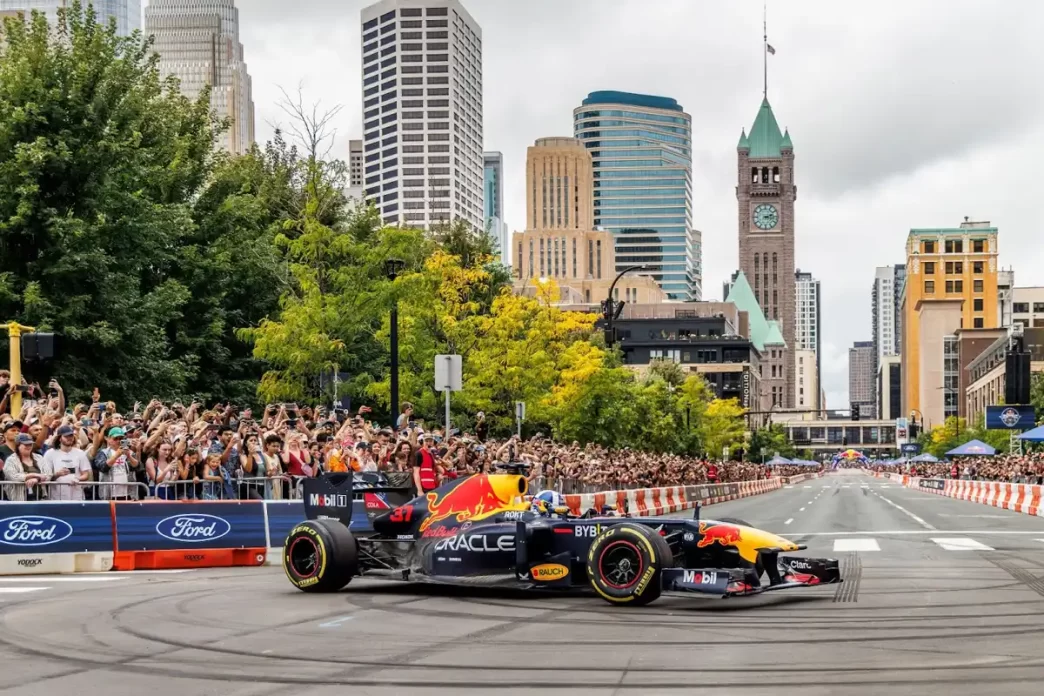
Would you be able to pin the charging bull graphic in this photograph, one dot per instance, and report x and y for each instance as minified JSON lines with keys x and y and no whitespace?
{"x":475,"y":498}
{"x":724,"y":534}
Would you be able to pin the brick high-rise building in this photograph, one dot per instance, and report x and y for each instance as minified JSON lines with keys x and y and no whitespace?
{"x":766,"y":193}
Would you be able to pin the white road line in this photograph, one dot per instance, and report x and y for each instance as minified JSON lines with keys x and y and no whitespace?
{"x":827,"y":486}
{"x":808,"y":503}
{"x":57,"y":578}
{"x":788,"y":486}
{"x":885,"y":486}
{"x":336,"y":622}
{"x":21,"y":590}
{"x":801,"y":510}
{"x":906,"y":512}
{"x":842,"y":545}
{"x":806,"y":486}
{"x":961,"y":544}
{"x":846,"y":486}
{"x":792,"y":519}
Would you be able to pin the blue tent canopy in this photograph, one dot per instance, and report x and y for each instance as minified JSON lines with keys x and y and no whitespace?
{"x":1035,"y":435}
{"x":925,"y":458}
{"x":777,"y":460}
{"x":975,"y":448}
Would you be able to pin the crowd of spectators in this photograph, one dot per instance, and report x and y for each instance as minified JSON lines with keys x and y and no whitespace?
{"x":188,"y":451}
{"x":1011,"y":468}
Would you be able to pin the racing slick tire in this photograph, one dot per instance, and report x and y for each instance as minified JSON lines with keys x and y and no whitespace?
{"x":759,"y":566}
{"x":624,"y":564}
{"x":320,"y":556}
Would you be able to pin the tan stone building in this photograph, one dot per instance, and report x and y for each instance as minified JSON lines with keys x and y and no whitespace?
{"x":559,"y":243}
{"x":951,"y":284}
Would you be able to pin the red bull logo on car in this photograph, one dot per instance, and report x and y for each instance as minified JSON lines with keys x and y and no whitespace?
{"x":475,"y":498}
{"x":724,"y":534}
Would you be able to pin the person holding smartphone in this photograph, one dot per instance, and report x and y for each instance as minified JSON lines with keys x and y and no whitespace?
{"x":67,"y":465}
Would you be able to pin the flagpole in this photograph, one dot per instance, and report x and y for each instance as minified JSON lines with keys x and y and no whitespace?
{"x":765,"y":48}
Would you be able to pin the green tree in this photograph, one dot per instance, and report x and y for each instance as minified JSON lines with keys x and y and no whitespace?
{"x":1037,"y":394}
{"x":722,"y":426}
{"x":99,"y":164}
{"x":766,"y":442}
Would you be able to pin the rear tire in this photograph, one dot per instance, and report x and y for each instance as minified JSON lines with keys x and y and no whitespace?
{"x":320,"y":556}
{"x":624,"y":564}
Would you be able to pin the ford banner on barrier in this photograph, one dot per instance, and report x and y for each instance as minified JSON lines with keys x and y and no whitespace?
{"x":158,"y":526}
{"x":55,"y":528}
{"x":934,"y":484}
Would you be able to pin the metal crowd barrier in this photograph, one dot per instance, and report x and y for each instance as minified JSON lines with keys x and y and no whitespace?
{"x":56,"y":491}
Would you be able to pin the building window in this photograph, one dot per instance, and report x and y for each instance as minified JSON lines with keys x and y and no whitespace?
{"x":978,"y":246}
{"x":929,"y":268}
{"x":977,"y":304}
{"x":954,"y":246}
{"x":1020,"y":308}
{"x":977,"y":267}
{"x":929,"y":287}
{"x":598,"y":246}
{"x":928,"y":247}
{"x":1038,"y":307}
{"x":574,"y":257}
{"x":954,"y":286}
{"x":977,"y":285}
{"x":978,"y":322}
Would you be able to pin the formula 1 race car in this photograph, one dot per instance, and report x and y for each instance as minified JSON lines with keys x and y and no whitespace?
{"x":481,"y":530}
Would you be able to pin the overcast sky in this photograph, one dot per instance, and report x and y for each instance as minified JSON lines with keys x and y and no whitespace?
{"x":903,"y":113}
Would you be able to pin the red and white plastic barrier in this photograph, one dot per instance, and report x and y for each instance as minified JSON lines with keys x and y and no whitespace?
{"x":1018,"y":497}
{"x":646,"y":502}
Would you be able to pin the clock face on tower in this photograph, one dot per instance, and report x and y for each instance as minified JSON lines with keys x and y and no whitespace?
{"x":766,"y":216}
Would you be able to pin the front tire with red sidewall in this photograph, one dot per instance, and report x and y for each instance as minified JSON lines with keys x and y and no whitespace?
{"x":624,"y":564}
{"x":320,"y":556}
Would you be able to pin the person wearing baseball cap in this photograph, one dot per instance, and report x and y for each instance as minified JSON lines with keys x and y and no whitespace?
{"x":67,"y":465}
{"x":115,"y":464}
{"x":24,"y":467}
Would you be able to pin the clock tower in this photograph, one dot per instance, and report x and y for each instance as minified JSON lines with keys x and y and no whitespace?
{"x":766,"y":194}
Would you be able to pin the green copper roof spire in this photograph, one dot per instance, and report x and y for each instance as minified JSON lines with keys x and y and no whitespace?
{"x":743,"y":297}
{"x":786,"y":144}
{"x":744,"y":144}
{"x":765,"y":137}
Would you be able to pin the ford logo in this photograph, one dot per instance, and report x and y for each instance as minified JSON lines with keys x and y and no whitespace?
{"x":194,"y":529}
{"x":34,"y":530}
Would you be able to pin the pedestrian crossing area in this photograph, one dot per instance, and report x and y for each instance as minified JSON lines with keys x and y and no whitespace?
{"x":871,"y":544}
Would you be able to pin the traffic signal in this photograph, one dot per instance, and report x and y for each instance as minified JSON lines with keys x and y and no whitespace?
{"x":855,"y":412}
{"x":618,"y":310}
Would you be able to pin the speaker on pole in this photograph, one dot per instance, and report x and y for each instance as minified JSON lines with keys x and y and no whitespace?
{"x":1017,"y":379}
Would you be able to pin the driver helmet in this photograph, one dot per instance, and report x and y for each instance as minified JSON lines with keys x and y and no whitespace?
{"x":551,"y":499}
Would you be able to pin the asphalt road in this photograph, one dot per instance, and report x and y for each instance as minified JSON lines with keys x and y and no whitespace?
{"x":942,"y":597}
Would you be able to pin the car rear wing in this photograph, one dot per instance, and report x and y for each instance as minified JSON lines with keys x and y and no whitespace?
{"x":332,"y":497}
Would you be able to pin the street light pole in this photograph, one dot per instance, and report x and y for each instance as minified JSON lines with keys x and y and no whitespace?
{"x":392,"y":269}
{"x":610,"y":309}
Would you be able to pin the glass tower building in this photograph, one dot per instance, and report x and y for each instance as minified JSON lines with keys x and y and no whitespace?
{"x":493,"y":204}
{"x":642,"y":151}
{"x":127,"y":13}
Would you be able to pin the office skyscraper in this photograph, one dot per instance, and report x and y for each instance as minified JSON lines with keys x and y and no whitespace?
{"x":198,"y":42}
{"x":642,"y":150}
{"x":422,"y":111}
{"x":862,"y":381}
{"x":127,"y":13}
{"x":355,"y":171}
{"x":493,"y":204}
{"x":886,"y":318}
{"x":807,"y":334}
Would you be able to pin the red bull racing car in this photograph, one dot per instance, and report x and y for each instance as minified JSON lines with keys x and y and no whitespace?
{"x":482,"y":530}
